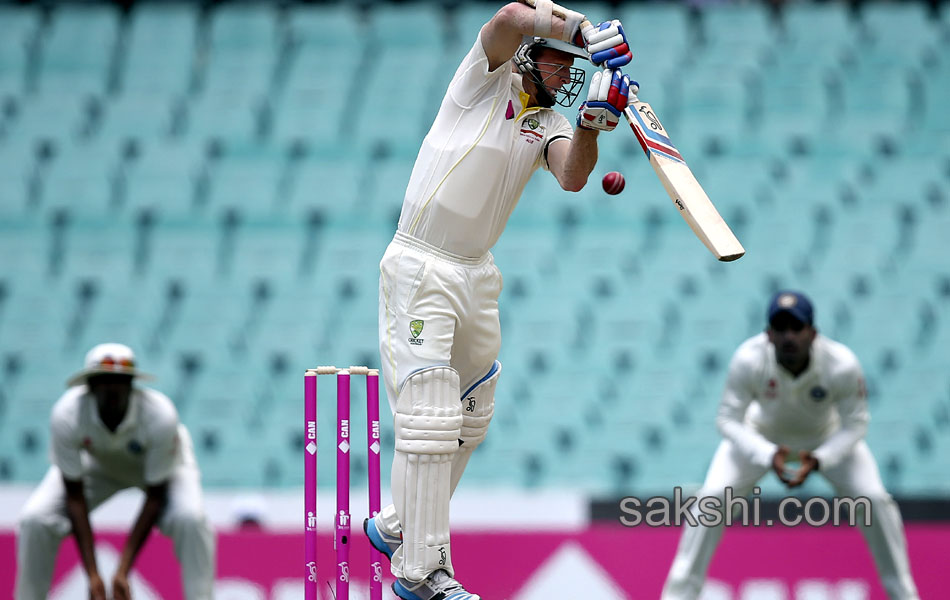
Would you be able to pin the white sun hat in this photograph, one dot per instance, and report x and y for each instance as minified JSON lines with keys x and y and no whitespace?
{"x":108,"y":359}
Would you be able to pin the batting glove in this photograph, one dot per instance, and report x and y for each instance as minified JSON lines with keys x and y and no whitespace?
{"x":607,"y":45}
{"x":606,"y":99}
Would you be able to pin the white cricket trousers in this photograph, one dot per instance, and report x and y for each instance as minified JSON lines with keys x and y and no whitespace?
{"x":43,"y":525}
{"x":435,"y":309}
{"x":454,"y":298}
{"x":856,"y":475}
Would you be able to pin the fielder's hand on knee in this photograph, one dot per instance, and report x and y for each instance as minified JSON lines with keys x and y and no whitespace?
{"x":121,"y":590}
{"x":607,"y":45}
{"x":606,"y":99}
{"x":97,"y":589}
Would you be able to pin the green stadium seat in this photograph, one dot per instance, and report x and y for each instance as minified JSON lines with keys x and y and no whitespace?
{"x":330,"y":186}
{"x":236,"y":27}
{"x":81,"y":177}
{"x":68,"y":63}
{"x":468,"y":19}
{"x":18,"y":26}
{"x":899,"y":34}
{"x":164,"y":177}
{"x":159,"y":55}
{"x":734,"y":38}
{"x":251,"y":186}
{"x":808,"y":24}
{"x":49,"y":116}
{"x":137,"y":114}
{"x":223,"y":114}
{"x":310,"y":24}
{"x":662,"y":48}
{"x":416,"y":24}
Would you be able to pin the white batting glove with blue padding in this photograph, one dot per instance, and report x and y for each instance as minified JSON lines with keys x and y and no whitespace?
{"x":607,"y":97}
{"x":607,"y":45}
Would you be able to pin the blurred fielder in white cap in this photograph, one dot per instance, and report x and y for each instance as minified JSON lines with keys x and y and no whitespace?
{"x":108,"y":435}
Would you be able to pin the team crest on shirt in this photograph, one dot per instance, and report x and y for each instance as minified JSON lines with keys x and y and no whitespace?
{"x":818,"y":393}
{"x":135,"y":447}
{"x":415,"y":330}
{"x":532,"y":130}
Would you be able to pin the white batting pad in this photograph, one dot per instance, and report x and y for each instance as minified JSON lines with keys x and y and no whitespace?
{"x":428,"y":423}
{"x":478,"y":406}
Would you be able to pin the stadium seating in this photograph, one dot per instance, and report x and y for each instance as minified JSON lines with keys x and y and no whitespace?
{"x":216,"y":186}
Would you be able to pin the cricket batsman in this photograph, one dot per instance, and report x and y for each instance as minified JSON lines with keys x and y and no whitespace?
{"x":439,"y":286}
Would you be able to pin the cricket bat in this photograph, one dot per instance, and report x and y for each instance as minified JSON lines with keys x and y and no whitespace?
{"x":688,"y":196}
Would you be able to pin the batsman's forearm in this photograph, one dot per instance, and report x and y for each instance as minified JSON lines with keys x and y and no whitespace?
{"x":78,"y":515}
{"x":581,"y":160}
{"x":148,"y":516}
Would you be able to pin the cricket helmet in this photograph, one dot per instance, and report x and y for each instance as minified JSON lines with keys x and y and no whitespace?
{"x":525,"y":60}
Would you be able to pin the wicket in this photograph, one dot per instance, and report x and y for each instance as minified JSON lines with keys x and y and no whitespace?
{"x":342,"y":530}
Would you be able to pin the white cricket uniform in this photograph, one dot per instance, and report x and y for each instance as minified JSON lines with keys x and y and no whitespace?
{"x":148,"y":447}
{"x":439,"y":285}
{"x":470,"y":172}
{"x":823,"y":410}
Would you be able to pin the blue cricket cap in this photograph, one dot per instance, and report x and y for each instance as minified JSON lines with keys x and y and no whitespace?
{"x":794,"y":303}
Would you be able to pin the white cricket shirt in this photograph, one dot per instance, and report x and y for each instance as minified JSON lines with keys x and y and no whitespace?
{"x":824,"y":409}
{"x":476,"y":159}
{"x":143,"y":450}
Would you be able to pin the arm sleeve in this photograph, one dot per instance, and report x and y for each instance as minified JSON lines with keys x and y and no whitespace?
{"x":162,"y":452}
{"x":560,"y":130}
{"x":473,"y":80}
{"x":732,"y":409}
{"x":65,"y":447}
{"x":853,"y":409}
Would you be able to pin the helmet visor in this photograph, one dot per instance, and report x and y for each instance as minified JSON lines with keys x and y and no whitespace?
{"x":562,"y":83}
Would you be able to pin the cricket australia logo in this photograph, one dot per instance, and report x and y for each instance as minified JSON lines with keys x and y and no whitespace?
{"x":415,"y":330}
{"x":532,"y":130}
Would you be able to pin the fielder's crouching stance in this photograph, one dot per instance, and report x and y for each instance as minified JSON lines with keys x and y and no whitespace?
{"x":108,"y":435}
{"x":439,"y":286}
{"x":792,"y":393}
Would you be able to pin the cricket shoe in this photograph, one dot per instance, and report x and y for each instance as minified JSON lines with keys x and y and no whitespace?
{"x":383,"y":542}
{"x":437,"y":586}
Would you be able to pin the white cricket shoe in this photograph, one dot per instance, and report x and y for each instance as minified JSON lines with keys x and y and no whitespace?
{"x":437,"y":586}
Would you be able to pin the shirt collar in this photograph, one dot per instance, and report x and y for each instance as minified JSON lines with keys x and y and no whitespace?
{"x":518,"y":84}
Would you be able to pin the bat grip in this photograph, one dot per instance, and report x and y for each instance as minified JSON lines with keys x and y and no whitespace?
{"x":558,"y":11}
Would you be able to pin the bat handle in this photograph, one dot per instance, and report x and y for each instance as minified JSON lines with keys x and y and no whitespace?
{"x":558,"y":11}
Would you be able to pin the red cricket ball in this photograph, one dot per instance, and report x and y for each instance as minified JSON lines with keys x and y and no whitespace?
{"x":613,"y":183}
